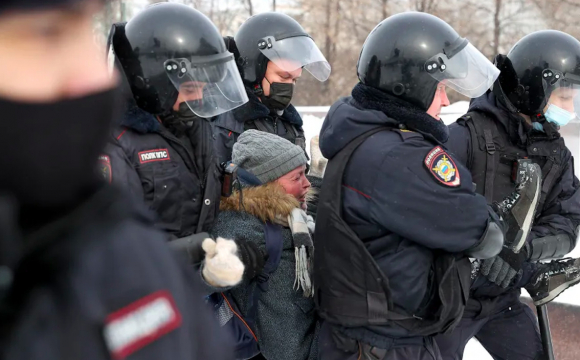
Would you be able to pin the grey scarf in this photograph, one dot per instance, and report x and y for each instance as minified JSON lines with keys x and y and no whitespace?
{"x":302,"y":226}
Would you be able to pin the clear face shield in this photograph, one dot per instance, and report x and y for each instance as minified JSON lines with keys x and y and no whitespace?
{"x":296,"y":52}
{"x":564,"y":93}
{"x":464,"y":69}
{"x":209,"y":85}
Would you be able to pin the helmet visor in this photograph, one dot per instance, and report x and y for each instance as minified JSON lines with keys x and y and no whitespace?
{"x":465,"y":70}
{"x":562,"y":90}
{"x":209,"y":85}
{"x":296,"y":52}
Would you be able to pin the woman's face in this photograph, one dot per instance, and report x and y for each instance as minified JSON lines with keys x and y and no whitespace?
{"x":296,"y":184}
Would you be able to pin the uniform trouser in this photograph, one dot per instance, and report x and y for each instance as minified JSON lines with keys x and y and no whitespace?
{"x":509,"y":333}
{"x":328,"y":350}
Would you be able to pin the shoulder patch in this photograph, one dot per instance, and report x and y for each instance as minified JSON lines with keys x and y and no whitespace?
{"x":153,"y":155}
{"x":105,"y":168}
{"x":140,"y":323}
{"x":442,"y":167}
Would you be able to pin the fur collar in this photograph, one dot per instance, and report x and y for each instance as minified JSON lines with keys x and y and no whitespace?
{"x":139,"y":120}
{"x":401,"y":111}
{"x":254,"y":109}
{"x":267,"y":202}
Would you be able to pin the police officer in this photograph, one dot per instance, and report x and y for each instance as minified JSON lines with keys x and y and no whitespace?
{"x":271,"y":49}
{"x":180,"y":77}
{"x":397,"y":213}
{"x":83,"y":273}
{"x":519,"y":120}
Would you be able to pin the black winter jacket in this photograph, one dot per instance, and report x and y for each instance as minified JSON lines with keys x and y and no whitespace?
{"x":174,"y":172}
{"x":560,"y":213}
{"x":255,"y":115}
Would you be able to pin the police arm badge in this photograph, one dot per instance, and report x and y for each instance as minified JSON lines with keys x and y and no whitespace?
{"x":442,"y":167}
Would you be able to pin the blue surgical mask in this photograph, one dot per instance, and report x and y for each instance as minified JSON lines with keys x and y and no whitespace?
{"x":558,"y":116}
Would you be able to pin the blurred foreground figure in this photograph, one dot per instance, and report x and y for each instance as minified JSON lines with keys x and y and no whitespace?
{"x":83,"y":274}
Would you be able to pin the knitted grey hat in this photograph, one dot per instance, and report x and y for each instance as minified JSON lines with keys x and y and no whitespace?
{"x":266,"y":155}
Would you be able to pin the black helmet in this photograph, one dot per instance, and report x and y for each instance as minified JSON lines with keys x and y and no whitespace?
{"x":542,"y":61}
{"x":278,"y":38}
{"x":170,"y":48}
{"x":408,"y":54}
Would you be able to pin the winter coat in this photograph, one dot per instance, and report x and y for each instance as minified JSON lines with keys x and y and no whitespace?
{"x":101,"y":283}
{"x":165,"y":168}
{"x":255,"y":115}
{"x":396,"y":200}
{"x":286,"y":322}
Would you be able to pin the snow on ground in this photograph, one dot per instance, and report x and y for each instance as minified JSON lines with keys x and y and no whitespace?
{"x":313,"y":118}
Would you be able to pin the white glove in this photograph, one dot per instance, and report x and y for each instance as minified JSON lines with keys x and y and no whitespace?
{"x":222,"y":265}
{"x":317,"y":161}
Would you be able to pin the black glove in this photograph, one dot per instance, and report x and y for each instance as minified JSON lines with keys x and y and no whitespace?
{"x":503,"y":268}
{"x":252,"y":257}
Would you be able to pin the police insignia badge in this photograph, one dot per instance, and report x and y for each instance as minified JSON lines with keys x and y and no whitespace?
{"x":442,"y":167}
{"x":105,"y":168}
{"x":138,"y":324}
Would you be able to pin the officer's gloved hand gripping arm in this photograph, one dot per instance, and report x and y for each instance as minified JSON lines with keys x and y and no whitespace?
{"x":492,"y":240}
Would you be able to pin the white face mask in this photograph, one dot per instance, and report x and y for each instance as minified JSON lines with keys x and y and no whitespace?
{"x":558,"y":116}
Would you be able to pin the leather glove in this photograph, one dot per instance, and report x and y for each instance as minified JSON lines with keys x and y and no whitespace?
{"x":317,"y":161}
{"x":503,"y":268}
{"x":222,"y":265}
{"x":252,"y":257}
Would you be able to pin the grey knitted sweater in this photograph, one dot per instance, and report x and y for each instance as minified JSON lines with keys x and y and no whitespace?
{"x":286,"y":323}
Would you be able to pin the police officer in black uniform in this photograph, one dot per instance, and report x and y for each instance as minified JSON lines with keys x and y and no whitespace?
{"x":536,"y":94}
{"x":271,"y":49}
{"x":180,"y":77}
{"x":83,"y":272}
{"x":397,"y":214}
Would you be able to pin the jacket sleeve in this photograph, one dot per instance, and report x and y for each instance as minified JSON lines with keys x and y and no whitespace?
{"x":122,"y":171}
{"x":410,"y":201}
{"x":234,"y":226}
{"x":560,"y":215}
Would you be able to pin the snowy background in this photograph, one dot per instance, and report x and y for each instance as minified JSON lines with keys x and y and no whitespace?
{"x":313,"y":117}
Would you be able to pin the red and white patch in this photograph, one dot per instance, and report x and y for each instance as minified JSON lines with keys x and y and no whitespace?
{"x":105,"y":168}
{"x":442,"y":167}
{"x":140,"y":323}
{"x":154,"y":155}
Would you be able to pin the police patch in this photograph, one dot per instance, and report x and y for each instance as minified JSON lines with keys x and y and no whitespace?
{"x":442,"y":167}
{"x":153,"y":155}
{"x":140,"y":323}
{"x":105,"y":168}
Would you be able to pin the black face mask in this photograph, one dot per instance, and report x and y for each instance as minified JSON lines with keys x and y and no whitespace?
{"x":50,"y":150}
{"x":184,"y":113}
{"x":280,"y":95}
